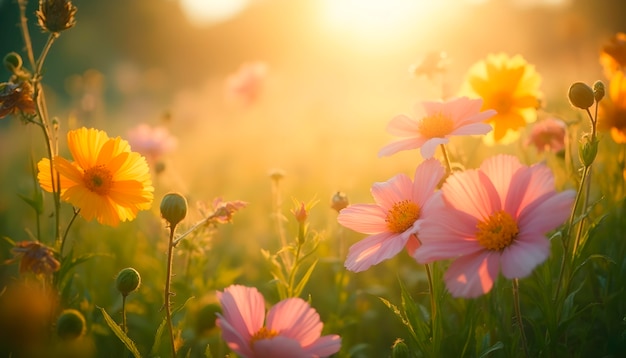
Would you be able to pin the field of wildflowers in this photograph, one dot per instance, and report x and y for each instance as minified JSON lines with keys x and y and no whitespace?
{"x":481,"y":215}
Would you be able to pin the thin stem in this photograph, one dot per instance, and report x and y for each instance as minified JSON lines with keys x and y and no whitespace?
{"x":67,"y":230}
{"x":446,"y":159}
{"x":518,"y":315}
{"x":292,"y":272}
{"x":124,"y":328}
{"x":434,"y":316}
{"x":25,"y":33}
{"x":44,"y":53}
{"x":167,"y":293}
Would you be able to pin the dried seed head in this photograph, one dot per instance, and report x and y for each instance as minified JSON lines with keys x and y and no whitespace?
{"x":56,"y":15}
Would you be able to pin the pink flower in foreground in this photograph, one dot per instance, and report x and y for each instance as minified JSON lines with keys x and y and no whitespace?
{"x":548,"y":134}
{"x":151,"y":142}
{"x":246,"y":84}
{"x":490,"y":219}
{"x":292,"y":327}
{"x":395,"y":219}
{"x":459,"y":116}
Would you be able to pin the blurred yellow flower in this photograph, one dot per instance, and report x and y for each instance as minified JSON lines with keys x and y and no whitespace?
{"x":510,"y":85}
{"x":612,"y":114}
{"x":106,"y":181}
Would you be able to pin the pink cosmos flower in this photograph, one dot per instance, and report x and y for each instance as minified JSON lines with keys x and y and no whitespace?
{"x":151,"y":142}
{"x":292,"y":327}
{"x":493,"y":219}
{"x":458,"y":116}
{"x":393,"y":222}
{"x":548,"y":134}
{"x":246,"y":84}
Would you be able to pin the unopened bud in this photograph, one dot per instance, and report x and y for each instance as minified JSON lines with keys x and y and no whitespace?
{"x":71,"y":324}
{"x":127,"y":281}
{"x":173,"y":208}
{"x":300,"y":213}
{"x":13,"y":62}
{"x":581,"y":95}
{"x":588,"y":150}
{"x":339,"y":201}
{"x":598,"y":90}
{"x":400,"y":349}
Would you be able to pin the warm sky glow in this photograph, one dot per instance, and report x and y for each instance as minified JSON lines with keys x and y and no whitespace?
{"x":378,"y":19}
{"x":207,"y":12}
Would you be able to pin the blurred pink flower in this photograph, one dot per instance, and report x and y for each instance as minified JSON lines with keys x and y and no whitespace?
{"x":458,"y":116}
{"x":224,"y":210}
{"x":246,"y":84}
{"x":292,"y":327}
{"x":548,"y":134}
{"x":490,"y":219}
{"x":151,"y":142}
{"x":394,"y":220}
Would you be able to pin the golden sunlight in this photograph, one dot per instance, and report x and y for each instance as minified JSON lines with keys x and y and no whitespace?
{"x":378,"y":19}
{"x":207,"y":12}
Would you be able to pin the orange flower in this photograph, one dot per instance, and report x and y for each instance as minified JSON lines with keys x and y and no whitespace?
{"x":613,"y":55}
{"x":612,"y":114}
{"x":510,"y":86}
{"x":106,"y":181}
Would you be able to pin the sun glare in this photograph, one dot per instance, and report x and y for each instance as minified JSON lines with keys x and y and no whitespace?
{"x":378,"y":19}
{"x":208,"y":12}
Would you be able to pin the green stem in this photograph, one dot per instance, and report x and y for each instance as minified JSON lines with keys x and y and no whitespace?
{"x":25,"y":33}
{"x":434,"y":315}
{"x":293,"y":269}
{"x":124,"y":328}
{"x":446,"y":159}
{"x":67,"y":230}
{"x":518,"y":315}
{"x":167,"y":293}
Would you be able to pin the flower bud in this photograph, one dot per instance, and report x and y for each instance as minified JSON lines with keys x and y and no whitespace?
{"x":339,"y":201}
{"x":581,"y":95}
{"x":13,"y":62}
{"x":300,"y":213}
{"x":71,"y":324}
{"x":588,"y":150}
{"x":598,"y":90}
{"x":56,"y":15}
{"x":127,"y":281}
{"x":400,"y":349}
{"x":173,"y":208}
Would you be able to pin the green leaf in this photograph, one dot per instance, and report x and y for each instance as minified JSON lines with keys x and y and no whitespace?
{"x":304,"y":279}
{"x":159,"y":332}
{"x":499,"y":345}
{"x":207,"y":352}
{"x":120,"y":334}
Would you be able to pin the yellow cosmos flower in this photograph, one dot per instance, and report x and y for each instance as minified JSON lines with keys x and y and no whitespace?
{"x":510,"y":86}
{"x":613,"y":109}
{"x":106,"y":181}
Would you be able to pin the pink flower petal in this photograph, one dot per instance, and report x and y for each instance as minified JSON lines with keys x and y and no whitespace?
{"x":278,"y":347}
{"x":472,"y":275}
{"x":374,"y":249}
{"x":429,"y":147}
{"x":364,"y":218}
{"x":403,"y":126}
{"x":233,"y":337}
{"x":541,"y":183}
{"x":546,"y":213}
{"x":405,"y":144}
{"x":523,"y":255}
{"x":472,"y":129}
{"x":394,"y":190}
{"x":295,"y":319}
{"x":427,"y":176}
{"x":500,"y":170}
{"x":325,"y":346}
{"x":244,"y":308}
{"x":471,"y":192}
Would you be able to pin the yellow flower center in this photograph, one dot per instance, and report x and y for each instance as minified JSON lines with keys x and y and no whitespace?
{"x":402,"y":216}
{"x":436,"y":126}
{"x":98,"y":179}
{"x":497,"y":232}
{"x":263,"y":333}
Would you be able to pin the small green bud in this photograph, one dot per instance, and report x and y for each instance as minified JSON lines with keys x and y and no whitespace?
{"x":173,"y":208}
{"x":127,"y":281}
{"x":13,"y":62}
{"x":71,"y":324}
{"x":581,"y":95}
{"x":339,"y":201}
{"x":588,"y":150}
{"x":598,"y":90}
{"x":400,"y":349}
